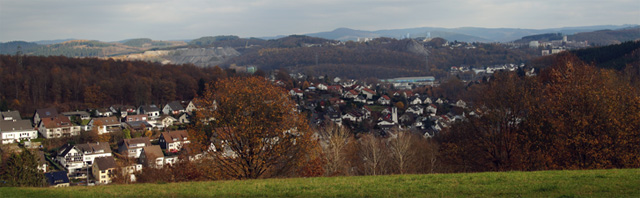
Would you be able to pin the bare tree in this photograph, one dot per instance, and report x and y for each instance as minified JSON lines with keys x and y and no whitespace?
{"x":373,"y":154}
{"x":402,"y":150}
{"x":334,"y":139}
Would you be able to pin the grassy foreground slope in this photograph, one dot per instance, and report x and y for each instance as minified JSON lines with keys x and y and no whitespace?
{"x":588,"y":183}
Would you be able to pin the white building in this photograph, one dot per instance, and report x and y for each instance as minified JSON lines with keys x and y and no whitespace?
{"x":14,"y":129}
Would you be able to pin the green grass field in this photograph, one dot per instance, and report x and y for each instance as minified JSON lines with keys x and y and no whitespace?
{"x":589,"y":183}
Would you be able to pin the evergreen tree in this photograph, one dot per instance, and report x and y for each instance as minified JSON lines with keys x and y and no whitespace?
{"x":22,"y":170}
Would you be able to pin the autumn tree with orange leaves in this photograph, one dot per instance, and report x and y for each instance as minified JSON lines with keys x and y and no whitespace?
{"x":257,"y":128}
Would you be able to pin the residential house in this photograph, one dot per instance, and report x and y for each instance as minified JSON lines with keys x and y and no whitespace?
{"x":404,"y":94}
{"x":173,"y":108}
{"x":384,"y":100}
{"x":336,"y":101}
{"x":184,"y":118}
{"x":71,"y":158}
{"x":415,"y":100}
{"x":133,"y":118}
{"x":103,"y":169}
{"x":42,"y":162}
{"x":407,"y":118}
{"x":58,"y":126}
{"x":106,"y":124}
{"x":170,"y":160}
{"x":10,"y":115}
{"x":138,"y":126}
{"x":369,"y":93}
{"x":426,"y":100}
{"x":14,"y":129}
{"x":461,"y":104}
{"x":334,"y":116}
{"x":152,"y":156}
{"x":366,"y":111}
{"x":322,"y":86}
{"x":90,"y":151}
{"x":150,"y":110}
{"x":82,"y":115}
{"x":57,"y":179}
{"x":44,"y":113}
{"x":163,"y":122}
{"x":173,"y":141}
{"x":432,"y":109}
{"x":103,"y":112}
{"x":194,"y":106}
{"x":296,"y":92}
{"x":360,"y":99}
{"x":416,"y":109}
{"x":130,"y":171}
{"x":353,"y":116}
{"x":123,"y":110}
{"x":335,"y":89}
{"x":351,"y":94}
{"x":133,"y":147}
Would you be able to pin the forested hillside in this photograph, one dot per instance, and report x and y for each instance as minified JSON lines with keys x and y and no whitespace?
{"x":30,"y":82}
{"x":380,"y":58}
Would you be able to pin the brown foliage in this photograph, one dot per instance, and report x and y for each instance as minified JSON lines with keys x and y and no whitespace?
{"x":79,"y":83}
{"x":259,"y":124}
{"x":572,"y":116}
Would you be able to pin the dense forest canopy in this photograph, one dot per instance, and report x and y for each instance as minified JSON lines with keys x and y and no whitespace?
{"x":31,"y":82}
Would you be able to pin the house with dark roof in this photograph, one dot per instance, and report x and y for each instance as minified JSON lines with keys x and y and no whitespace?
{"x":10,"y":115}
{"x":149,"y":110}
{"x":90,"y":151}
{"x":103,"y":169}
{"x":44,"y":113}
{"x":42,"y":162}
{"x":70,"y":158}
{"x":57,"y":179}
{"x":58,"y":126}
{"x":82,"y":115}
{"x":133,"y":147}
{"x":14,"y":129}
{"x":105,"y":124}
{"x":173,"y":141}
{"x":138,"y":126}
{"x":173,"y":108}
{"x":123,"y":110}
{"x":152,"y":156}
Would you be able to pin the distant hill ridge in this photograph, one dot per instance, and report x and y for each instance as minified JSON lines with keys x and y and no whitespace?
{"x":465,"y":34}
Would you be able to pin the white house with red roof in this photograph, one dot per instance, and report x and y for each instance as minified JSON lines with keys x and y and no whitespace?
{"x":56,"y":127}
{"x":368,"y":92}
{"x":384,"y":100}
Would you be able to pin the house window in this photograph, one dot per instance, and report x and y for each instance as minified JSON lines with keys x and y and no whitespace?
{"x":103,"y":172}
{"x":103,"y":177}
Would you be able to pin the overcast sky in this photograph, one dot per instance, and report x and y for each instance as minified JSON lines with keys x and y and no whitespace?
{"x":112,"y":20}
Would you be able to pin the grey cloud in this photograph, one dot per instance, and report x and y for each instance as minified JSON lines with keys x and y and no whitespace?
{"x":167,"y":19}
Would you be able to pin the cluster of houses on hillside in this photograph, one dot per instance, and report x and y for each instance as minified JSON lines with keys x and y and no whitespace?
{"x":371,"y":108}
{"x":95,"y":160}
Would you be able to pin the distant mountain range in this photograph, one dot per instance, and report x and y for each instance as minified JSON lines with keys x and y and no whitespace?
{"x":465,"y":34}
{"x":596,"y":35}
